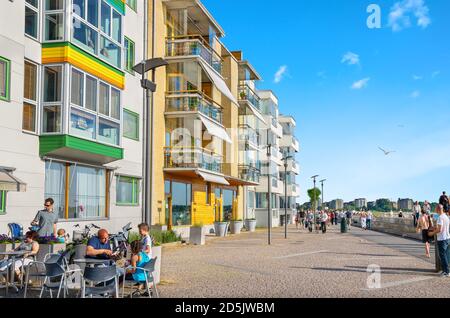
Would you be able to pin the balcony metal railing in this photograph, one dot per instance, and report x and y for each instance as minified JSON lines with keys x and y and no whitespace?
{"x":247,"y":94}
{"x":249,"y":135}
{"x":193,"y":101}
{"x":249,"y":173}
{"x":192,"y":157}
{"x":193,"y":45}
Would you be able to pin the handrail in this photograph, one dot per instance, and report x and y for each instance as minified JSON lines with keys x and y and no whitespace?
{"x":195,"y":37}
{"x":197,"y":92}
{"x":192,"y":149}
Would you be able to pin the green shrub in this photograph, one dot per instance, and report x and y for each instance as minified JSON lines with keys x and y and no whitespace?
{"x":133,"y":236}
{"x":162,"y":237}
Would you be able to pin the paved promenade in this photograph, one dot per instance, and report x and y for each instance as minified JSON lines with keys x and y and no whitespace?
{"x":305,"y":265}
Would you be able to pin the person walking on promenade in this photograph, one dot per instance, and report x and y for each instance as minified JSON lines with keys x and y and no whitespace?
{"x":443,"y":236}
{"x":369,"y":220}
{"x":416,"y":212}
{"x":349,"y":215}
{"x":309,"y":221}
{"x":323,"y":221}
{"x":427,"y":207}
{"x":444,"y":201}
{"x":363,"y":217}
{"x":424,"y":224}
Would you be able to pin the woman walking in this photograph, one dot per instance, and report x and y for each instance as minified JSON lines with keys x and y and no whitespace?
{"x":363,"y":220}
{"x":423,"y":226}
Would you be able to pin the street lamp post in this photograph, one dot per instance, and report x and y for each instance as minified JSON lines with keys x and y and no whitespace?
{"x":323,"y":202}
{"x":314,"y":200}
{"x":269,"y":186}
{"x":148,"y":87}
{"x":285,"y":159}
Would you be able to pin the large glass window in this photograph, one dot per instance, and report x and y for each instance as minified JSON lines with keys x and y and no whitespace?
{"x":87,"y":193}
{"x":103,"y":101}
{"x":129,"y":55}
{"x":82,"y":124}
{"x":116,"y":26}
{"x":108,"y":132}
{"x":130,"y":124}
{"x":32,"y":18}
{"x":54,"y":5}
{"x":92,"y":12}
{"x":115,"y":103}
{"x":5,"y":78}
{"x":91,"y":93}
{"x":51,"y":119}
{"x":87,"y":190}
{"x":228,"y":198}
{"x":105,"y":18}
{"x":181,"y":203}
{"x":127,"y":191}
{"x":54,"y":27}
{"x":77,"y":87}
{"x":85,"y":36}
{"x":110,"y":51}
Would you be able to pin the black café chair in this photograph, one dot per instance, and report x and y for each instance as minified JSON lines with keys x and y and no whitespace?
{"x":100,"y":277}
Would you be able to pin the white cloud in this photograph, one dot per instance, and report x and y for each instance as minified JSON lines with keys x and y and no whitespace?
{"x":361,"y":83}
{"x":280,"y":74}
{"x":402,"y":12}
{"x":436,"y":73}
{"x":415,"y":94}
{"x":417,"y":77}
{"x":350,"y":58}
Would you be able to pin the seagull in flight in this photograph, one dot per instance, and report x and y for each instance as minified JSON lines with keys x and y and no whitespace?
{"x":386,"y":152}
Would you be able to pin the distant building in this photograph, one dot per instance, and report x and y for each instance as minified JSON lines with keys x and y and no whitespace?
{"x":371,"y":205}
{"x":360,"y":203}
{"x":394,"y":205}
{"x":405,"y":204}
{"x":337,"y":204}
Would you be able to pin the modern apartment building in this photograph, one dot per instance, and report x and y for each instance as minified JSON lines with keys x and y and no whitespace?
{"x":337,"y":204}
{"x":289,"y":146}
{"x":360,"y":203}
{"x":405,"y":204}
{"x":70,"y":110}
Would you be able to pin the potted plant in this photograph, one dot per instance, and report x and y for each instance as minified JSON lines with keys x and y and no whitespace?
{"x":197,"y":234}
{"x":243,"y":95}
{"x":250,"y":224}
{"x":49,"y":244}
{"x":221,"y":228}
{"x":157,"y":252}
{"x":236,"y":226}
{"x":5,"y":244}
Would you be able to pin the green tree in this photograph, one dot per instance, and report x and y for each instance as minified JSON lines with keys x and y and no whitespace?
{"x":383,"y":205}
{"x":314,"y":195}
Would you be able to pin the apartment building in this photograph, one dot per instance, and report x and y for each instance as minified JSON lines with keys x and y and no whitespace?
{"x":289,"y":147}
{"x":405,"y":204}
{"x":71,"y":111}
{"x":360,"y":203}
{"x":337,"y":204}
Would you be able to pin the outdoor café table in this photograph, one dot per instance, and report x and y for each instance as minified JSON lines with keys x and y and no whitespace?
{"x":92,"y":261}
{"x":12,"y":255}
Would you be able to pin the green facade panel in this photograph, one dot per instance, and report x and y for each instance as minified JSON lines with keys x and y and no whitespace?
{"x":119,"y":5}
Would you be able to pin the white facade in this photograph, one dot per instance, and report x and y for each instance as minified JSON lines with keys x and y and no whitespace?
{"x":20,"y":149}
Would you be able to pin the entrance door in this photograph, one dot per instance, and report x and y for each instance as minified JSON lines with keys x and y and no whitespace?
{"x":169,"y":221}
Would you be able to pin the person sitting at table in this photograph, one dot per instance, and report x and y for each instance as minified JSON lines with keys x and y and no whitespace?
{"x":139,"y":258}
{"x":30,"y":245}
{"x":99,"y":246}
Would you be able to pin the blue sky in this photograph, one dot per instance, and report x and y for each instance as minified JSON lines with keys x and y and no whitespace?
{"x":353,"y":89}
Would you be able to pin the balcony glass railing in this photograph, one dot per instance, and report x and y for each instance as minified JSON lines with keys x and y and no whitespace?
{"x":249,"y":173}
{"x":247,"y":94}
{"x":249,"y":135}
{"x":193,"y":101}
{"x":191,"y":157}
{"x":193,"y":45}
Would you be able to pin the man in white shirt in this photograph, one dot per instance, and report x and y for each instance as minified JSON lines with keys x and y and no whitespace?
{"x":443,"y":236}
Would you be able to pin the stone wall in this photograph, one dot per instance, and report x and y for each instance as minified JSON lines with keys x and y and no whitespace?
{"x":395,"y":225}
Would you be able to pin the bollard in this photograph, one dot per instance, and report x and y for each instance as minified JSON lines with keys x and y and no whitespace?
{"x":343,"y":225}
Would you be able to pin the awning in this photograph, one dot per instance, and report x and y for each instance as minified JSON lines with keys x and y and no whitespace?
{"x":209,"y":177}
{"x":218,"y":82}
{"x":8,"y":182}
{"x":215,"y":130}
{"x":256,"y":113}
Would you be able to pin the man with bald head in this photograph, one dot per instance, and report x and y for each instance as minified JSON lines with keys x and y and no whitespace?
{"x":98,"y":246}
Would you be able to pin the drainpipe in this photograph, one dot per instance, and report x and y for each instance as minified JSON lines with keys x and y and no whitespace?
{"x":152,"y":127}
{"x":144,"y":116}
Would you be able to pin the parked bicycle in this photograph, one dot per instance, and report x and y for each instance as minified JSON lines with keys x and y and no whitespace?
{"x":79,"y":239}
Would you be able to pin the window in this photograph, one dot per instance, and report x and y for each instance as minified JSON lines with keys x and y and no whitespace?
{"x":5,"y":79}
{"x":54,"y":27}
{"x":52,"y":119}
{"x":84,"y":119}
{"x":228,"y":197}
{"x":52,"y":97}
{"x":127,"y":191}
{"x":130,"y":124}
{"x":32,"y":18}
{"x":87,"y":190}
{"x":54,"y":5}
{"x":52,"y":83}
{"x":129,"y":55}
{"x":181,"y":203}
{"x":2,"y":202}
{"x":30,"y":97}
{"x":98,"y":30}
{"x":132,"y":4}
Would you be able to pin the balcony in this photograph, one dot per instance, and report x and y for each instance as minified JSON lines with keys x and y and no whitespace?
{"x":192,"y":158}
{"x":193,"y":45}
{"x":291,"y":142}
{"x":249,"y":173}
{"x":193,"y":102}
{"x":249,"y":136}
{"x":246,"y":94}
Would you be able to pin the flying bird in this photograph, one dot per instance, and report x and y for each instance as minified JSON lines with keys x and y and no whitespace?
{"x":385,"y":151}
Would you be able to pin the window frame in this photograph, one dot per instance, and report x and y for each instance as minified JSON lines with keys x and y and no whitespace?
{"x":137,"y":117}
{"x":7,"y":97}
{"x":35,"y":103}
{"x":56,"y":104}
{"x":129,"y":68}
{"x":135,"y":189}
{"x":3,"y":202}
{"x":38,"y":20}
{"x":46,"y":12}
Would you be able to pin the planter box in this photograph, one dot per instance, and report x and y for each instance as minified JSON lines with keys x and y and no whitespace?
{"x":157,"y":252}
{"x":197,"y":235}
{"x":250,"y":225}
{"x":236,"y":227}
{"x":45,"y":249}
{"x":5,"y":248}
{"x":221,"y":228}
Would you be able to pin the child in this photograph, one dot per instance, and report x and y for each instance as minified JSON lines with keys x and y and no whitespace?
{"x":138,"y":259}
{"x":146,"y":241}
{"x":62,"y":236}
